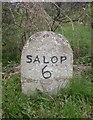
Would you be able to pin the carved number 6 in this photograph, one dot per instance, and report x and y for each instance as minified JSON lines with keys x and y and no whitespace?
{"x":46,"y":72}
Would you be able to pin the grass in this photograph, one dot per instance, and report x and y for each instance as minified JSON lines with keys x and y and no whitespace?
{"x":80,"y":41}
{"x":72,"y":102}
{"x":79,"y":38}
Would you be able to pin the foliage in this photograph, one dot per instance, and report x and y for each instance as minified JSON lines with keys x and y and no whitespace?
{"x":11,"y":35}
{"x":20,"y":22}
{"x":72,"y":102}
{"x":80,"y":40}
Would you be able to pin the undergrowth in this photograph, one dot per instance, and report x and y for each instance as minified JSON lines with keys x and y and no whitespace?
{"x":72,"y":102}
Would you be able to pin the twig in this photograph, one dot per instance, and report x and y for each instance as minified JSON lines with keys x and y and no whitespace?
{"x":12,"y":15}
{"x":65,"y":15}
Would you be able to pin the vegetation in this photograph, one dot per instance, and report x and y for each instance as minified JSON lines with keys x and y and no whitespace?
{"x":72,"y":102}
{"x":80,"y":40}
{"x":21,"y":20}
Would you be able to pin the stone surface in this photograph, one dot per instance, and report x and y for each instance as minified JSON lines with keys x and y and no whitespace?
{"x":46,"y":63}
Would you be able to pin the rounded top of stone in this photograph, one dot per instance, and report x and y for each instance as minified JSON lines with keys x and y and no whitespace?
{"x":46,"y":34}
{"x":59,"y":38}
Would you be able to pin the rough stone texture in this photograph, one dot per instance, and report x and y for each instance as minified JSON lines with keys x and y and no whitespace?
{"x":55,"y":51}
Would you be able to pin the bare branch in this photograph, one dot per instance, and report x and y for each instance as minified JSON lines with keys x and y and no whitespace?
{"x":12,"y":14}
{"x":64,"y":14}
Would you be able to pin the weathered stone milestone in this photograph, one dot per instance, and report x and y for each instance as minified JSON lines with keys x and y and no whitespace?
{"x":46,"y":63}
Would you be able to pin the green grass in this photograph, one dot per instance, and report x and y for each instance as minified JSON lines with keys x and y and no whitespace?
{"x":80,"y":41}
{"x":72,"y":102}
